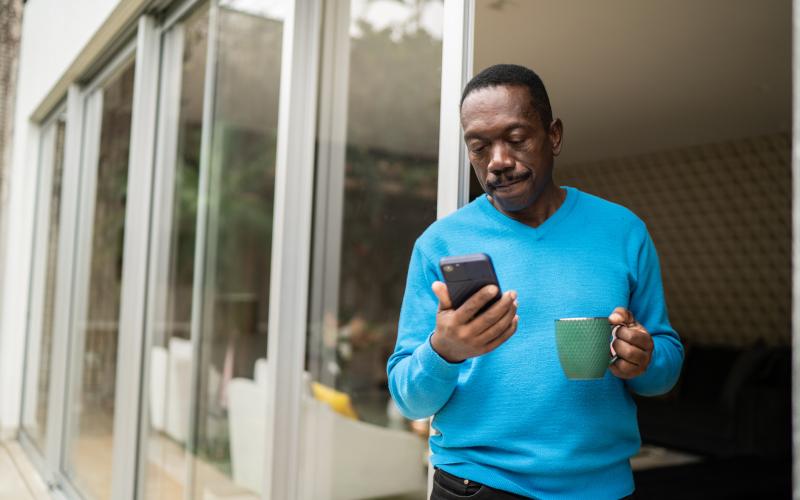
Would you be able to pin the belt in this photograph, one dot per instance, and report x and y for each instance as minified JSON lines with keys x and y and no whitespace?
{"x":460,"y":486}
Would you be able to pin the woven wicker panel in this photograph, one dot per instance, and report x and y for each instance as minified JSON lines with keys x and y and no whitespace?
{"x":720,"y":216}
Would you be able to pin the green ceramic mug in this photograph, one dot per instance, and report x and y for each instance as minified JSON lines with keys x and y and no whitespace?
{"x":584,"y":346}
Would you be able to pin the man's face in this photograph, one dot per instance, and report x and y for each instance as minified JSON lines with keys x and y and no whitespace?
{"x":509,"y":148}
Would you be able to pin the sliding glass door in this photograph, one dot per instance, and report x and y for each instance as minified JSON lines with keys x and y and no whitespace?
{"x":98,"y":284}
{"x":190,"y":160}
{"x":169,"y":354}
{"x":376,"y":192}
{"x":43,"y":283}
{"x":208,"y":291}
{"x":232,"y":278}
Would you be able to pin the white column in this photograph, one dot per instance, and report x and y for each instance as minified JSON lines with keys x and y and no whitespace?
{"x":134,"y":267}
{"x":291,"y":242}
{"x":453,"y":188}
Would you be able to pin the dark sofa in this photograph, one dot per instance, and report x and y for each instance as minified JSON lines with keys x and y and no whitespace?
{"x":729,"y":402}
{"x":731,"y":407}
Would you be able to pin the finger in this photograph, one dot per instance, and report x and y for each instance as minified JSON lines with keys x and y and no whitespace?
{"x":493,"y":314}
{"x":621,"y":316}
{"x":637,"y":336}
{"x":440,"y":290}
{"x":630,"y":353}
{"x":474,"y":303}
{"x":498,"y":327}
{"x":624,"y":369}
{"x":500,"y":339}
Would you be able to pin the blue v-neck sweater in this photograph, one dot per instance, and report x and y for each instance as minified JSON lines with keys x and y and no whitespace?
{"x":511,"y":419}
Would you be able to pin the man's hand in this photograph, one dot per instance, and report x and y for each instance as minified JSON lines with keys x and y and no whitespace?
{"x":459,"y":336}
{"x":633,"y":346}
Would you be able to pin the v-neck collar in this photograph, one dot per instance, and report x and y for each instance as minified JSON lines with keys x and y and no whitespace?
{"x":536,"y":232}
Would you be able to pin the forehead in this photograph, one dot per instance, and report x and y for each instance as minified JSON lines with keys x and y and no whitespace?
{"x":500,"y":103}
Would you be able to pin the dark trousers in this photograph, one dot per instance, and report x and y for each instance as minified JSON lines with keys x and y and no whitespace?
{"x":449,"y":487}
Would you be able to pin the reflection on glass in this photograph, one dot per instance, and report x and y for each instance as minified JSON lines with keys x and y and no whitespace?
{"x":236,"y":249}
{"x":37,"y":378}
{"x":170,"y":367}
{"x":365,"y":226}
{"x":92,"y":401}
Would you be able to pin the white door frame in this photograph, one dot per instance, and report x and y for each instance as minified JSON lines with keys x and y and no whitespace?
{"x":457,"y":42}
{"x":37,"y":290}
{"x":291,"y":245}
{"x":129,"y":376}
{"x":796,"y":248}
{"x":86,"y":105}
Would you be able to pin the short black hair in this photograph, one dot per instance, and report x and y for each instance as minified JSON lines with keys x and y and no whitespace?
{"x":514,"y":75}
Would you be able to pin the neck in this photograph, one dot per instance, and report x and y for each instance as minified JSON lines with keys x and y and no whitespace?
{"x":546,"y":204}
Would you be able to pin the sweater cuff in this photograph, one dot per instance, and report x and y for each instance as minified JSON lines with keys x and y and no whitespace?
{"x":662,"y":373}
{"x":435,"y":365}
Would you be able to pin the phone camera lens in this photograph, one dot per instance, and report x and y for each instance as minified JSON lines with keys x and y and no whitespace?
{"x":448,"y":268}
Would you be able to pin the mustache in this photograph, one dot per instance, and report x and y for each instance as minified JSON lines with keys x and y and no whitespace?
{"x":507,"y":179}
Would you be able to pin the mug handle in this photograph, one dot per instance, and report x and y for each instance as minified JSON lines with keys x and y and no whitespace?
{"x":614,"y":356}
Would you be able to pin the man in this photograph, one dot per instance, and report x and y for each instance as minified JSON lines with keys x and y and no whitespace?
{"x":507,"y":422}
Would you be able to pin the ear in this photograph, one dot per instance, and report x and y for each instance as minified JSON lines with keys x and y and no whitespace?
{"x":555,"y":135}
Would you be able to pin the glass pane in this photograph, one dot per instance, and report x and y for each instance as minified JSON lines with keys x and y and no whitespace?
{"x":365,"y":226}
{"x":229,"y":453}
{"x":92,"y":399}
{"x":37,"y":379}
{"x":171,"y":290}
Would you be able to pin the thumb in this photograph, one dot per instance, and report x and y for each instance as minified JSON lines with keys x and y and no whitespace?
{"x":440,"y":290}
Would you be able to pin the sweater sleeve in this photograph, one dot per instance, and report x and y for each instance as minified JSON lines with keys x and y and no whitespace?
{"x":420,"y":380}
{"x":649,"y":308}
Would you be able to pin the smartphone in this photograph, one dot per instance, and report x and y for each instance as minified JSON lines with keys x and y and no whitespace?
{"x":466,"y":274}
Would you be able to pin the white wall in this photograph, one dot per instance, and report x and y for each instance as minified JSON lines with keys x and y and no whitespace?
{"x":630,"y":77}
{"x":53,"y":33}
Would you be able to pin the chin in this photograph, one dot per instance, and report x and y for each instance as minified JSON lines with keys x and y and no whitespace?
{"x":515,"y":203}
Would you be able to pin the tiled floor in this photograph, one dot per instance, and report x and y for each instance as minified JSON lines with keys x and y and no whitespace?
{"x":18,"y":479}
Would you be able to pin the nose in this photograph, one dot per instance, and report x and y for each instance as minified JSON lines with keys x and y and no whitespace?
{"x":500,"y":158}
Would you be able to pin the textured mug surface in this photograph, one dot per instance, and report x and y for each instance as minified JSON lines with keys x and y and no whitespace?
{"x":583,"y":347}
